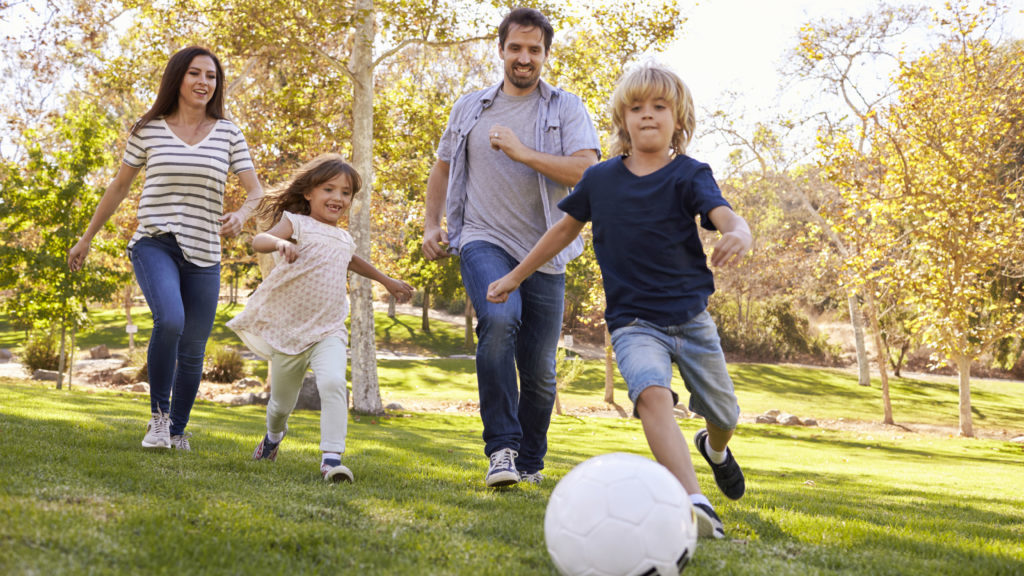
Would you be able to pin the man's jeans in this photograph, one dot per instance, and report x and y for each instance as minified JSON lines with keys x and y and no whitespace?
{"x":183,"y":300}
{"x":520,"y":333}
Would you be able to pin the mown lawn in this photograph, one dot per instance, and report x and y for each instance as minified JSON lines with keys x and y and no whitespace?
{"x":78,"y":495}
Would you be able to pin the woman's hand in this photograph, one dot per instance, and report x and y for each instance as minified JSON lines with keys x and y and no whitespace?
{"x":230,"y":224}
{"x":77,"y":254}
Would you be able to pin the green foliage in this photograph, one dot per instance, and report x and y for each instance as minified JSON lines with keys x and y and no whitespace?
{"x":224,"y":364}
{"x":47,"y":203}
{"x":569,"y":368}
{"x":773,"y":331}
{"x":40,"y":352}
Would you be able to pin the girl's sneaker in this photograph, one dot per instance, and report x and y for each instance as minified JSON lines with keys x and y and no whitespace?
{"x":266,"y":450}
{"x":180,"y":441}
{"x":334,"y":471}
{"x":158,"y":431}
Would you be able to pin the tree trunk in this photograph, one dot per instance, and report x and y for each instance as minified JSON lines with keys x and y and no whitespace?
{"x":128,"y":318}
{"x":558,"y":403}
{"x":392,"y":306}
{"x":469,"y":343}
{"x":963,"y":365}
{"x":863,"y":367}
{"x":71,"y":357}
{"x":60,"y":359}
{"x":425,"y":322}
{"x":365,"y":387}
{"x":609,"y":367}
{"x":882,"y":359}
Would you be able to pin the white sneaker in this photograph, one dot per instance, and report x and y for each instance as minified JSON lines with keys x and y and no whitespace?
{"x":502,"y":470}
{"x":334,"y":471}
{"x":180,"y":442}
{"x":158,"y":431}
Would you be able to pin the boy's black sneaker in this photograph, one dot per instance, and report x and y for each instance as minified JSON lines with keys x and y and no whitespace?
{"x":709,"y":525}
{"x":728,"y":475}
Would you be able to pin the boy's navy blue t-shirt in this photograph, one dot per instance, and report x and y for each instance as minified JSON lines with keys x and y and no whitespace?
{"x":646,"y":238}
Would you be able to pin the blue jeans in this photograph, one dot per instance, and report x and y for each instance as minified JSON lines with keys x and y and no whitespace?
{"x":183,"y":300}
{"x":645,"y":353}
{"x":522,"y":334}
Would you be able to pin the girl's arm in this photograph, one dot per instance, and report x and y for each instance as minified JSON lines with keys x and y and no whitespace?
{"x":231,"y":223}
{"x":735,"y":240}
{"x":116,"y":192}
{"x":399,"y":289}
{"x":550,"y":244}
{"x":277,"y":240}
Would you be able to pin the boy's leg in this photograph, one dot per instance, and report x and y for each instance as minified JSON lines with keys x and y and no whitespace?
{"x":655,"y":406}
{"x":328,"y":359}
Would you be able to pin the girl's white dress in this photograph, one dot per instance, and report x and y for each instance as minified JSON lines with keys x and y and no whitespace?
{"x":302,"y":303}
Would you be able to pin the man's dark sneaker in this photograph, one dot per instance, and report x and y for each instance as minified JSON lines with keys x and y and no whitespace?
{"x":709,"y":525}
{"x":502,"y":470}
{"x":266,"y":450}
{"x":728,"y":475}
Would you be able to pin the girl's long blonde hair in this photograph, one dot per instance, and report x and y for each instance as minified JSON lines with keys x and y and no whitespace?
{"x":651,"y":80}
{"x":291,"y":195}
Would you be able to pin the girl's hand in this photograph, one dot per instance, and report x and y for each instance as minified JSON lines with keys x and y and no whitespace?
{"x":499,"y":290}
{"x":77,"y":254}
{"x":287,"y":250}
{"x":398,"y":288}
{"x":231,"y":224}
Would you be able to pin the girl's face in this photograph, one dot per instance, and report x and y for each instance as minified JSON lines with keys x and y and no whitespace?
{"x":199,"y":83}
{"x":329,"y":201}
{"x":651,"y":123}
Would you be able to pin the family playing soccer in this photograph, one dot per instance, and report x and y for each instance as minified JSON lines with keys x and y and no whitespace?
{"x":518,"y":176}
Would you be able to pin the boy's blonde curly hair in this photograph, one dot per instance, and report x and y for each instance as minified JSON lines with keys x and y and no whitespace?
{"x":651,"y":80}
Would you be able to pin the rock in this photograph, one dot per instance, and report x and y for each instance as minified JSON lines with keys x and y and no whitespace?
{"x":309,"y":396}
{"x":99,"y":352}
{"x":140,"y":387}
{"x":810,"y":422}
{"x":1018,"y":440}
{"x":248,"y":383}
{"x":234,"y":399}
{"x":765,"y":419}
{"x":393,"y":406}
{"x":126,"y":375}
{"x":773,"y":413}
{"x":261,"y":398}
{"x":51,"y":375}
{"x":789,"y":420}
{"x":5,"y":355}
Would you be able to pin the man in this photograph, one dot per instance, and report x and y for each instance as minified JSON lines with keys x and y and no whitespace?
{"x":509,"y":154}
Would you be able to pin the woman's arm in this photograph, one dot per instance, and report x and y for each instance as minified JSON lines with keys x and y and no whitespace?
{"x":231,"y":223}
{"x":116,"y":192}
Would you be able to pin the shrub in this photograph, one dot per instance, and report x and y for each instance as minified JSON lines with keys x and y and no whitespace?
{"x":40,"y":353}
{"x":224,"y":364}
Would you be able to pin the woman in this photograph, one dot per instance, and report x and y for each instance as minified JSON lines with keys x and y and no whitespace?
{"x":188,"y":148}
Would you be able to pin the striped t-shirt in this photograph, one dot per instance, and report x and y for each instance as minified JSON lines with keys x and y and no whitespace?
{"x":184,"y":189}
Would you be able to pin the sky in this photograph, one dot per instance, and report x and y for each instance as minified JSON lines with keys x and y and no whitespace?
{"x":738,"y":46}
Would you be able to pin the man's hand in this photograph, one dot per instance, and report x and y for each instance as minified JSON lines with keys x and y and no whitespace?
{"x":435,"y":243}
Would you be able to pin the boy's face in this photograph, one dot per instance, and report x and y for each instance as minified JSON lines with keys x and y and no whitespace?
{"x":651,"y":123}
{"x":524,"y":57}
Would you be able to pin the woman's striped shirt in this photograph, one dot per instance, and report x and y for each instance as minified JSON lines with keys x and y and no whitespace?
{"x":183,"y":193}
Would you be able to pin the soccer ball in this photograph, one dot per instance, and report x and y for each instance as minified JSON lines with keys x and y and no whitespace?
{"x":617,"y":515}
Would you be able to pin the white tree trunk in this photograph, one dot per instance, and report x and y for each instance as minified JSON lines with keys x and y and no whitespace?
{"x":856,"y":320}
{"x":365,"y":388}
{"x":963,"y":365}
{"x":609,"y":369}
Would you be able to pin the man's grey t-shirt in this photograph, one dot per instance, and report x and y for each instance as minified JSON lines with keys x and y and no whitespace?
{"x":503,"y":204}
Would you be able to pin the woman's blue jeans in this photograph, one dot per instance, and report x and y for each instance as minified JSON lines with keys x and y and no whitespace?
{"x":183,"y":300}
{"x":522,"y":334}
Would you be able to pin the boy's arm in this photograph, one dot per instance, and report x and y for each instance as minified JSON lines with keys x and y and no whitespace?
{"x":276,"y":240}
{"x":399,"y":289}
{"x":735,"y":240}
{"x":550,"y":244}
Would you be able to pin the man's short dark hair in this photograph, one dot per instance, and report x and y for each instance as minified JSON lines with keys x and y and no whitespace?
{"x":527,"y":18}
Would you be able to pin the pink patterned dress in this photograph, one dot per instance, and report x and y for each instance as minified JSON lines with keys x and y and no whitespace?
{"x":302,"y":303}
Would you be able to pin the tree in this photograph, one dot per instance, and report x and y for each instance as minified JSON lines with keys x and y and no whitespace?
{"x":950,"y":151}
{"x":47,"y":201}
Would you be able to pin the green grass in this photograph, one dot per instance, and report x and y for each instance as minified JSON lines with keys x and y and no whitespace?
{"x":78,"y":495}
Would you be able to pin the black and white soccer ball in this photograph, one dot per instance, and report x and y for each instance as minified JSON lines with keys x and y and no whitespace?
{"x":620,"y":514}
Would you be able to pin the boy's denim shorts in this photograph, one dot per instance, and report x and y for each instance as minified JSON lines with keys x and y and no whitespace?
{"x":645,"y":353}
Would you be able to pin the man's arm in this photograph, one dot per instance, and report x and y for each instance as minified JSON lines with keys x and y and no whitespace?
{"x":566,"y":170}
{"x":435,"y":238}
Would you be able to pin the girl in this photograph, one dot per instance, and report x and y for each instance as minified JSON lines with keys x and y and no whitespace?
{"x":296,"y":318}
{"x":188,"y":149}
{"x":650,"y":195}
